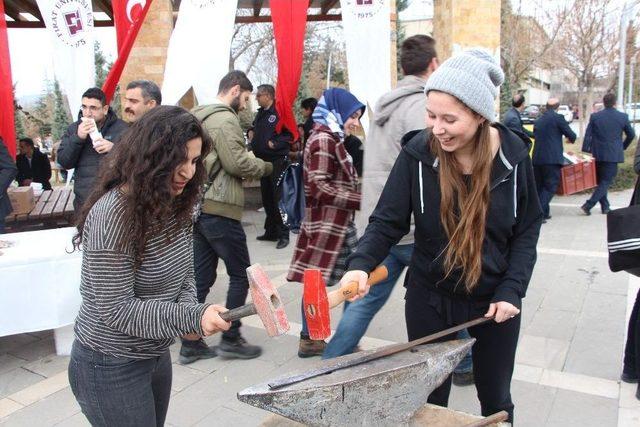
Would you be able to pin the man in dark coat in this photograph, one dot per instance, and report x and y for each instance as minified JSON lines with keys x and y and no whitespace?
{"x":33,"y":166}
{"x":274,"y":148}
{"x":80,"y":151}
{"x":603,"y":139}
{"x":512,"y":118}
{"x":8,"y":171}
{"x":547,"y":152}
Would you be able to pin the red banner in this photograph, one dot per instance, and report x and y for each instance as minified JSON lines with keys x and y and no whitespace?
{"x":289,"y":23}
{"x":128,"y":16}
{"x":7,"y":125}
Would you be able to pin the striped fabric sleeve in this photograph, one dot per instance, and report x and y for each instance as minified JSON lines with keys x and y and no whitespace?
{"x":188,"y":294}
{"x":112,"y":274}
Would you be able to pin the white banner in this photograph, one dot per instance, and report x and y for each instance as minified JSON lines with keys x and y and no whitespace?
{"x":199,"y":50}
{"x":70,"y":23}
{"x":367,"y":33}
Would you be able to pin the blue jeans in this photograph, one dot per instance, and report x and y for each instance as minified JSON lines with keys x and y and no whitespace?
{"x":357,"y":316}
{"x":606,"y":173}
{"x":119,"y":391}
{"x":466,"y":364}
{"x":217,"y":237}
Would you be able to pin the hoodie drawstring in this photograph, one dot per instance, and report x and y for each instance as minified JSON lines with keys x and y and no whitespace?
{"x":421,"y":190}
{"x":515,"y":191}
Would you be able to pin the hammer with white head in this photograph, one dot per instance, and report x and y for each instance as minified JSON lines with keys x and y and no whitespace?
{"x":266,"y":303}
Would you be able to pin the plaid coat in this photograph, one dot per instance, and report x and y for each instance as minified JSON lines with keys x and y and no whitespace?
{"x":331,"y":198}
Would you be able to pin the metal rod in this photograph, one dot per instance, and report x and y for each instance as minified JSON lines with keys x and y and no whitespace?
{"x":383,"y":352}
{"x":239,"y":313}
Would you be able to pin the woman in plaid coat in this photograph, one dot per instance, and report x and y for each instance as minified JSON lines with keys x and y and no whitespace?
{"x":327,"y":234}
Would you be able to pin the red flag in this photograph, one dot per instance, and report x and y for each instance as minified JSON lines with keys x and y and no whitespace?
{"x":128,"y":16}
{"x":7,"y":125}
{"x":289,"y":23}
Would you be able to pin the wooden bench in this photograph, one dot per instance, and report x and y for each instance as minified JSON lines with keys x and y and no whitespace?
{"x":53,"y":209}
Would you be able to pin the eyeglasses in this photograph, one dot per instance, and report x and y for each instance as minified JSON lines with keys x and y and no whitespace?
{"x":91,"y":108}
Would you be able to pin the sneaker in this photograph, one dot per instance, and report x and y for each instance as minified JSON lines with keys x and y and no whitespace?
{"x":463,"y":379}
{"x":190,"y":351}
{"x":310,"y":348}
{"x":282,"y":243}
{"x":238,"y":349}
{"x":586,"y":209}
{"x":606,"y":211}
{"x":629,"y":378}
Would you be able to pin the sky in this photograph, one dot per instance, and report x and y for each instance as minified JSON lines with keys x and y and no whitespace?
{"x":31,"y":52}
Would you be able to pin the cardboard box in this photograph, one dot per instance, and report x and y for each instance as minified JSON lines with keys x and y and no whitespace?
{"x":22,"y":200}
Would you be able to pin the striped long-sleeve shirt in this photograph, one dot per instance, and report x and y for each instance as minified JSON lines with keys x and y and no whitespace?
{"x":135,"y":311}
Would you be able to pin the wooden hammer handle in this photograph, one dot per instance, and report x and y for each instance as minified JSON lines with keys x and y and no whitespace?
{"x":339,"y":296}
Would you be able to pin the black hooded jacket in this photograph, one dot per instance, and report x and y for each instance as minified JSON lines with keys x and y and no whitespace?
{"x":511,"y":233}
{"x":79,"y":153}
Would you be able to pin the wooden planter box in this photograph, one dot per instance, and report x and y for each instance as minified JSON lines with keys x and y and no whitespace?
{"x":576,"y":178}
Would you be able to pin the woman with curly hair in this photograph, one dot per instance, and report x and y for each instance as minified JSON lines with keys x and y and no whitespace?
{"x":137,"y":280}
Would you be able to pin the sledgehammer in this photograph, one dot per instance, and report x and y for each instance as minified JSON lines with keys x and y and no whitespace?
{"x":266,"y":303}
{"x":318,"y":302}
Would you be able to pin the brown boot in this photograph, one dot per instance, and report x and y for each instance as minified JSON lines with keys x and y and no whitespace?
{"x":310,"y":348}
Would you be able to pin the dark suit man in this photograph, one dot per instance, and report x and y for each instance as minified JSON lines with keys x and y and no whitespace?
{"x":33,"y":165}
{"x":512,"y":118}
{"x":8,"y":171}
{"x":547,"y":152}
{"x":603,"y":139}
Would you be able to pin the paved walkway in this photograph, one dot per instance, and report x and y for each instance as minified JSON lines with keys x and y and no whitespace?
{"x":568,"y":361}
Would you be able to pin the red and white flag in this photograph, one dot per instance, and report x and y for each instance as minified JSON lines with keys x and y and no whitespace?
{"x":70,"y":24}
{"x":128,"y":16}
{"x":7,"y":126}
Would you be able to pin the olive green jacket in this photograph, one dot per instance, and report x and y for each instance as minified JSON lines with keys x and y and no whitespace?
{"x":229,"y":161}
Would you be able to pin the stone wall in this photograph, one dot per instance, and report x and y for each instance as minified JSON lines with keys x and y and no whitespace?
{"x":149,"y":53}
{"x":460,"y":24}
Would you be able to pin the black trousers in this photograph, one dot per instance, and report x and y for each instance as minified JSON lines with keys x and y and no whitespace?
{"x":632,"y":346}
{"x":547,"y":180}
{"x":273,"y":226}
{"x":493,"y":353}
{"x":214,"y":238}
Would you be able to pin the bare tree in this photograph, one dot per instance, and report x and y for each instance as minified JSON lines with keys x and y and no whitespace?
{"x":587,"y":48}
{"x":526,"y":41}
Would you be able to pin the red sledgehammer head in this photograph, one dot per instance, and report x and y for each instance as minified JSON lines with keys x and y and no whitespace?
{"x":316,"y":305}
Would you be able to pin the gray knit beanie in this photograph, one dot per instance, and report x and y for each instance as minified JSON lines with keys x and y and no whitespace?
{"x":472,"y":76}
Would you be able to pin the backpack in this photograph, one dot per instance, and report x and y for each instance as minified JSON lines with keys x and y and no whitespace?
{"x":291,"y":204}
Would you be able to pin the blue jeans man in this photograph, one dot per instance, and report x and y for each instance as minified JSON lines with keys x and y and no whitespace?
{"x":357,"y":315}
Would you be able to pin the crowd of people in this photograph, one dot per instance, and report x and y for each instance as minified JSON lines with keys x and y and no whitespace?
{"x":439,"y":187}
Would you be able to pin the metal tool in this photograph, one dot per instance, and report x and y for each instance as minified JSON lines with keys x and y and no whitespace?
{"x":266,"y":303}
{"x":318,"y":302}
{"x":360,"y":358}
{"x":384,"y":392}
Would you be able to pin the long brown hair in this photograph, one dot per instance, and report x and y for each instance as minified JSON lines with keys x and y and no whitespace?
{"x":463,"y":206}
{"x":144,"y":160}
